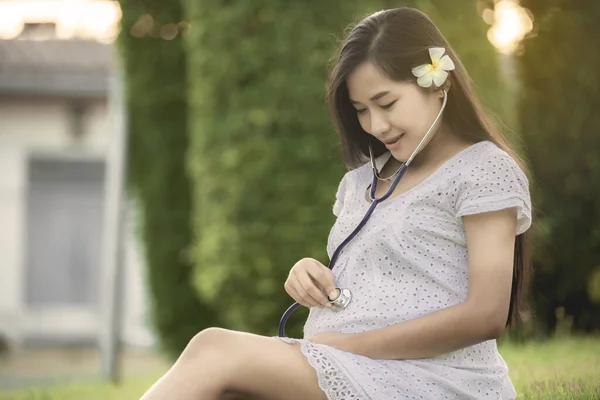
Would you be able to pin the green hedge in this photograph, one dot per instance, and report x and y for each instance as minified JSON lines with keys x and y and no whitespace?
{"x":155,"y":74}
{"x":561,"y":124}
{"x":264,"y":153}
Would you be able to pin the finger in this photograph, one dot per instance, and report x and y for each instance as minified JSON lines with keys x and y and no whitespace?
{"x":301,"y":289}
{"x":296,"y":296}
{"x":311,"y":291}
{"x":323,"y":276}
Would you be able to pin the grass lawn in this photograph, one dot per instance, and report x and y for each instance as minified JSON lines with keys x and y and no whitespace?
{"x":565,"y":369}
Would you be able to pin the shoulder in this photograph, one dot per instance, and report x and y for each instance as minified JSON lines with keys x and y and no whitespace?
{"x":345,"y":189}
{"x":489,"y":179}
{"x":486,"y":163}
{"x":487,"y":152}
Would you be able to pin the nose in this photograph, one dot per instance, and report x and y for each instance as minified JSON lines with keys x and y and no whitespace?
{"x":379,"y":124}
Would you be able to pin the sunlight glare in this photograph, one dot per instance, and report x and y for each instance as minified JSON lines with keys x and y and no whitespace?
{"x":73,"y":18}
{"x":511,"y":24}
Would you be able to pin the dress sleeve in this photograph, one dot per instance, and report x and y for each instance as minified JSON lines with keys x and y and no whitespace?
{"x":340,"y":196}
{"x":493,"y":183}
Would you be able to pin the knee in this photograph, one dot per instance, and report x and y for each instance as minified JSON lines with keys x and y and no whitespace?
{"x":208,"y":343}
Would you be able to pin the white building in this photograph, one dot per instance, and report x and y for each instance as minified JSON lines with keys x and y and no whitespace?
{"x":54,"y":136}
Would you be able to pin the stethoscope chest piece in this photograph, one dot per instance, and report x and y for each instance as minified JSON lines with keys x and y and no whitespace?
{"x":342,"y":300}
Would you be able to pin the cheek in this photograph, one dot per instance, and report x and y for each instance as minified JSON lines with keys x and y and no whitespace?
{"x":407,"y":116}
{"x":411,"y":109}
{"x":418,"y":117}
{"x":363,"y":120}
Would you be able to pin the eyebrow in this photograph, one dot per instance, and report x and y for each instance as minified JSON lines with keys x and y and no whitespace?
{"x":376,"y":97}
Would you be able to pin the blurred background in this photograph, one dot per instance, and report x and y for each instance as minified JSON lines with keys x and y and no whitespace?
{"x":163,"y":164}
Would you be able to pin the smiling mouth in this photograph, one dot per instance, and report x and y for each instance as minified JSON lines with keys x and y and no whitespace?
{"x":392,"y":141}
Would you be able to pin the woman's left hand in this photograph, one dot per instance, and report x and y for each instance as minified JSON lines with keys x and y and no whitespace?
{"x":340,"y":341}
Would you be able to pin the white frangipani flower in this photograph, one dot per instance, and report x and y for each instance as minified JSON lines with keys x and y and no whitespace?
{"x":436,"y":72}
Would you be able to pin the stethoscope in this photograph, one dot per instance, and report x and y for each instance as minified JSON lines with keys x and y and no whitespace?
{"x":344,"y":296}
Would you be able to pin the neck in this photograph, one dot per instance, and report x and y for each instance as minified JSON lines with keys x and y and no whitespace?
{"x":443,"y":145}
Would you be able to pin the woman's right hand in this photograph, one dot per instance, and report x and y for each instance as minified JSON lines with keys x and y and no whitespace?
{"x":309,"y":282}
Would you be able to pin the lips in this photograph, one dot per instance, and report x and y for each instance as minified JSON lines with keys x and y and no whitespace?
{"x":392,"y":140}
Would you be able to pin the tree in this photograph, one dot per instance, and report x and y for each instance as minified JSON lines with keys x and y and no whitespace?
{"x":264,"y":155}
{"x":560,"y":124}
{"x":156,"y":97}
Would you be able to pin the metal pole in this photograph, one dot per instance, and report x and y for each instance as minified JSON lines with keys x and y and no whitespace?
{"x":114,"y":220}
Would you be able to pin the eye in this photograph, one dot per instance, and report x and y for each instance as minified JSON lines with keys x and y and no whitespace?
{"x":361,"y":111}
{"x":388,"y":106}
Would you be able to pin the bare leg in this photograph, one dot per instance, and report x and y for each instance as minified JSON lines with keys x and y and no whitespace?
{"x":219,"y":361}
{"x":238,"y":396}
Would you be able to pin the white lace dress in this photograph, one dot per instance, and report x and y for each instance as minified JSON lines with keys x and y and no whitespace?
{"x":410,"y":260}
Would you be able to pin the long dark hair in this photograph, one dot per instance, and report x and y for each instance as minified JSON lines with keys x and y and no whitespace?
{"x":395,"y":41}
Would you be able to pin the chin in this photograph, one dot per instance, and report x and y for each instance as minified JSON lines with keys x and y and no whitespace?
{"x":400,"y":155}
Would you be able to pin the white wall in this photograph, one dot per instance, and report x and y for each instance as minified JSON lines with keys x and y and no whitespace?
{"x":42,"y":127}
{"x":11,"y":233}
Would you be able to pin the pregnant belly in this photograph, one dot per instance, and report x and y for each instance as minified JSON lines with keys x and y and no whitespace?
{"x":370,"y":310}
